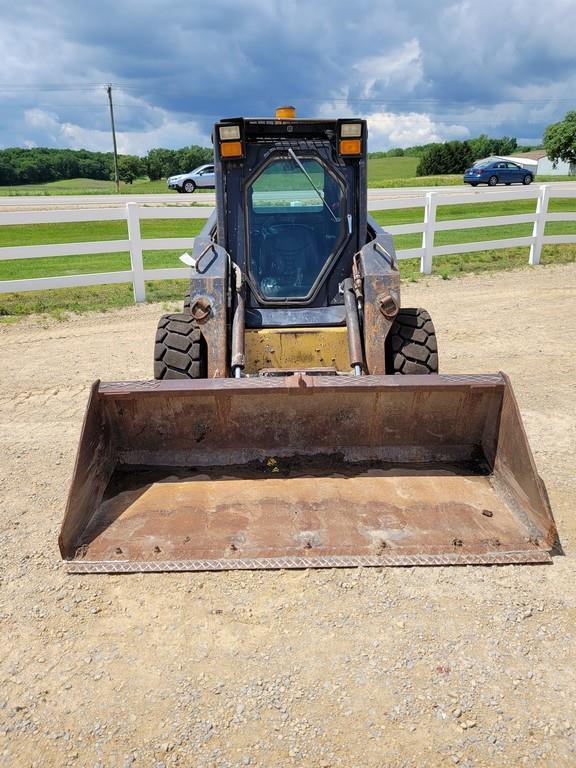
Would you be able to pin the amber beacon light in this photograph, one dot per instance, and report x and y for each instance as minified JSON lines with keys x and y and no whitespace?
{"x":283,"y":113}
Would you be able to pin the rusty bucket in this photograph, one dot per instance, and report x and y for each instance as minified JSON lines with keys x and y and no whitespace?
{"x":304,"y":471}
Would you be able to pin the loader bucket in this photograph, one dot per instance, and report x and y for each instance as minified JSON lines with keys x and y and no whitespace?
{"x":304,"y":471}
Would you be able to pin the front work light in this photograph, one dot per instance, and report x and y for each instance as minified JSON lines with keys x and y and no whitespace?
{"x":351,"y":130}
{"x":229,"y":132}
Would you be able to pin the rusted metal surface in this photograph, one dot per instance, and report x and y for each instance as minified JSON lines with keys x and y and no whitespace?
{"x":95,"y":463}
{"x":381,"y":288}
{"x":387,"y":305}
{"x":292,"y":348}
{"x":516,"y":469}
{"x":201,"y":308}
{"x":208,"y":301}
{"x":304,"y":471}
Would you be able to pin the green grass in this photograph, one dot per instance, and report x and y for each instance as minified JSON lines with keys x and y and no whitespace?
{"x":91,"y":298}
{"x":60,"y":302}
{"x":458,"y":265}
{"x":383,"y":169}
{"x":89,"y":231}
{"x":477,"y":210}
{"x":88,"y":187}
{"x":108,"y":297}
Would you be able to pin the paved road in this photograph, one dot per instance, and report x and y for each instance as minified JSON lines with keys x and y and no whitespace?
{"x":207,"y":198}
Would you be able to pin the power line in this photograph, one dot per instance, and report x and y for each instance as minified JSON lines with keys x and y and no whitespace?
{"x":60,"y":86}
{"x":91,"y":87}
{"x":430,"y":100}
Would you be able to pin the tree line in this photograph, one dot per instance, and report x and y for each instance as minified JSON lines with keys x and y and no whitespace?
{"x":31,"y":166}
{"x":454,"y":156}
{"x":38,"y":165}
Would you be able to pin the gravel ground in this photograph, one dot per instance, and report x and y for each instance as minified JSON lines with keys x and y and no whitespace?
{"x":370,"y":667}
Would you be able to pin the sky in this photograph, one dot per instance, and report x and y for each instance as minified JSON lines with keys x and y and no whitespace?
{"x":418,"y":70}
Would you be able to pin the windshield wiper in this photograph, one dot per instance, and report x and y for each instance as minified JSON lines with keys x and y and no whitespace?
{"x":305,"y":172}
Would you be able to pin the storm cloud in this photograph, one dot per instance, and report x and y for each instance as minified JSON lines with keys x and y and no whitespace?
{"x":418,"y":70}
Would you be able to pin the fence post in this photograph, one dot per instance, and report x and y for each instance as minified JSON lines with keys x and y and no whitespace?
{"x":136,"y":261}
{"x":539,"y":224}
{"x":428,"y":233}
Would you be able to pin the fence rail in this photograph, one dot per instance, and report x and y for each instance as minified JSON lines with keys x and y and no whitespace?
{"x":134,"y":212}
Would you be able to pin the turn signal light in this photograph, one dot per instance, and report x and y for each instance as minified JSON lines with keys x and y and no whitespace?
{"x":231,"y":149}
{"x":350,"y":147}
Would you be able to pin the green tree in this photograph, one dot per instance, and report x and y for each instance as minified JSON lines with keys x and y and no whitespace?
{"x":41,"y":164}
{"x":451,"y":157}
{"x":7,"y":173}
{"x":506,"y":145}
{"x":482,"y":146}
{"x":130,"y":167}
{"x":160,"y":163}
{"x":560,"y":140}
{"x":189,"y":158}
{"x":419,"y":150}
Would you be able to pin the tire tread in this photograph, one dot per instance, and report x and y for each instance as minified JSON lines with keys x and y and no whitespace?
{"x":179,"y":349}
{"x":411,"y":346}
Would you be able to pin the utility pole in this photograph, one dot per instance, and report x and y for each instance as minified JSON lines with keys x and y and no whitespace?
{"x":116,"y":177}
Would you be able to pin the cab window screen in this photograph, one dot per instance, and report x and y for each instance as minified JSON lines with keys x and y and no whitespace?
{"x":294,"y":225}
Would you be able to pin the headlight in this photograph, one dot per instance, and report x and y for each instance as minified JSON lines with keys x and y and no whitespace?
{"x":351,"y":130}
{"x":229,"y":132}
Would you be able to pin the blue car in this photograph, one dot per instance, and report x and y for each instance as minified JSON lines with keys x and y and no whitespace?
{"x":494,"y":172}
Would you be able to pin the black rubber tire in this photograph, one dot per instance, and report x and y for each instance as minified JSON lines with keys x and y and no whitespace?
{"x":180,"y":349}
{"x":492,"y":181}
{"x":411,"y":346}
{"x":473,"y":183}
{"x":527,"y":179}
{"x":189,"y":186}
{"x":186,"y":307}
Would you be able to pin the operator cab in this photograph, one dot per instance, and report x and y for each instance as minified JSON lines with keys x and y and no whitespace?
{"x":291,"y":202}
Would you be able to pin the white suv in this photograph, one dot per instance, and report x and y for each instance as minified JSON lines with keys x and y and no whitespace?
{"x":203,"y":176}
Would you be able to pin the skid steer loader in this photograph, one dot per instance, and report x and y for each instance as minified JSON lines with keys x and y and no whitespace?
{"x":297,"y":418}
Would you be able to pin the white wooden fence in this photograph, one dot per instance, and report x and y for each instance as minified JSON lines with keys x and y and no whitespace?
{"x":135,"y":244}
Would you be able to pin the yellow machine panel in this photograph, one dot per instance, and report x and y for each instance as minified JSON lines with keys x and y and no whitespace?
{"x":296,"y":348}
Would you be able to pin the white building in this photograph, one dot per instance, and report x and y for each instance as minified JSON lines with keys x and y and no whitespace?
{"x":539,"y":163}
{"x":527,"y":160}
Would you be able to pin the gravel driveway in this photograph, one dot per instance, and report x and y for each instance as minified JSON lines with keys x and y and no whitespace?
{"x":470,"y":666}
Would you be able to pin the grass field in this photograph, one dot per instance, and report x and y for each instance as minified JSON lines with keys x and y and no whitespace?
{"x":104,"y":297}
{"x":382,"y":172}
{"x":87,"y":187}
